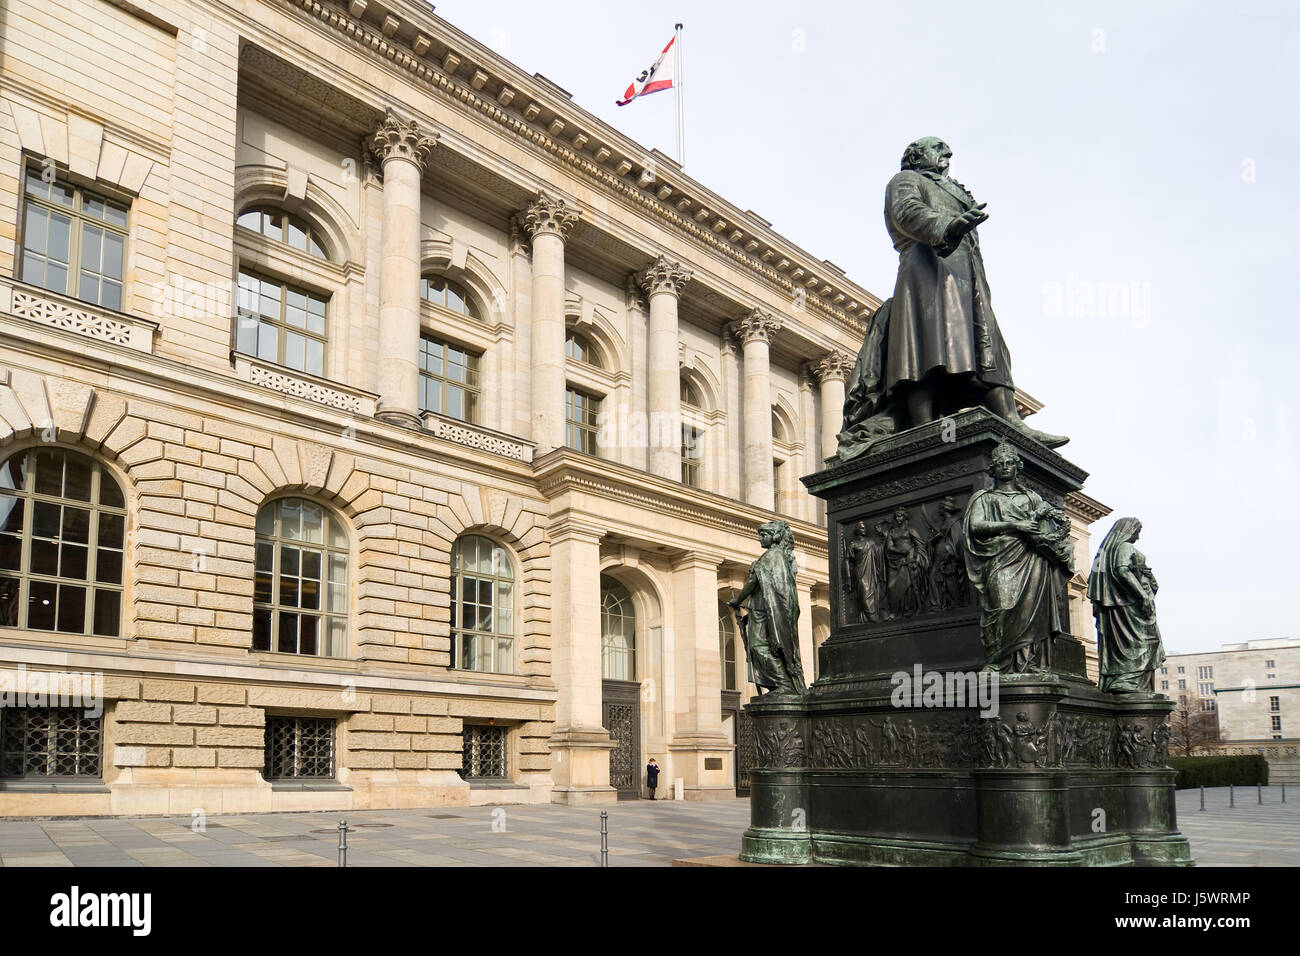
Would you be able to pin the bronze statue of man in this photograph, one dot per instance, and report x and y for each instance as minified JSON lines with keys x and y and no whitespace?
{"x":935,"y":346}
{"x":771,"y":628}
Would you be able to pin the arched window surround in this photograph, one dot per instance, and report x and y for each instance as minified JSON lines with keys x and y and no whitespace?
{"x":287,"y":586}
{"x":60,"y":550}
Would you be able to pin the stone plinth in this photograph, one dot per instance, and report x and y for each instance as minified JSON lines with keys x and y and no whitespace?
{"x":1033,"y":769}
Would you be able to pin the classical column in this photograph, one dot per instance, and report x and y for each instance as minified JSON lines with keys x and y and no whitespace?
{"x":755,"y":332}
{"x":701,"y":751}
{"x":548,"y":222}
{"x":830,"y":373}
{"x":403,"y":149}
{"x":579,"y":744}
{"x":663,"y":282}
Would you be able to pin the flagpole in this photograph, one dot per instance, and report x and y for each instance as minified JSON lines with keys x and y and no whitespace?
{"x":677,"y":82}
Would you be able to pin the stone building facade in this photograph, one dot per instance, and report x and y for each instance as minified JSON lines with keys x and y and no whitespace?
{"x":377,"y":427}
{"x":1252,"y":687}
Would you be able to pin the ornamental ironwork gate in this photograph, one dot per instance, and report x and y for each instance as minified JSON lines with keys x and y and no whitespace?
{"x":622,"y":718}
{"x":744,"y":751}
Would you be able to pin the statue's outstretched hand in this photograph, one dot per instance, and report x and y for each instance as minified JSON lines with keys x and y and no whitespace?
{"x":965,"y":222}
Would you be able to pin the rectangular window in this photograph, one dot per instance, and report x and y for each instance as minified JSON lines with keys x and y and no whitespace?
{"x":49,"y":742}
{"x":281,"y":324}
{"x":1182,"y":685}
{"x":484,"y":753}
{"x":299,"y":748}
{"x":1164,"y":685}
{"x":1277,"y":724}
{"x":1205,"y":673}
{"x":1209,"y":705}
{"x":74,"y":240}
{"x":581,"y":412}
{"x":692,"y":452}
{"x":1205,"y":688}
{"x":1270,"y":664}
{"x":1180,"y":668}
{"x":449,"y":380}
{"x":1275,"y":704}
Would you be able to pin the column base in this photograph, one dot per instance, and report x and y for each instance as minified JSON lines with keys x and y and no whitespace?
{"x":703,"y":762}
{"x":580,"y":766}
{"x":396,"y":416}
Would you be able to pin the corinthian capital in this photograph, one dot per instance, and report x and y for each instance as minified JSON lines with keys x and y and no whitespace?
{"x":398,"y":140}
{"x":757,"y":326}
{"x":832,"y":366}
{"x":548,"y":215}
{"x":664,"y":275}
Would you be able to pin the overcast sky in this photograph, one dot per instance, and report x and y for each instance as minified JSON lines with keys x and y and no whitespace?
{"x":1143,"y":245}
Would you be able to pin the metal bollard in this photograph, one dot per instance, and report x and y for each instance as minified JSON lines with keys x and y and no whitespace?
{"x":1259,"y":792}
{"x":1202,"y":796}
{"x":1284,"y":793}
{"x":604,"y":838}
{"x":1232,"y":796}
{"x":343,"y":843}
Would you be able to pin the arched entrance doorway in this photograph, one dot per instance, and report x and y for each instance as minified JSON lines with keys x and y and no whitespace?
{"x":620,"y":687}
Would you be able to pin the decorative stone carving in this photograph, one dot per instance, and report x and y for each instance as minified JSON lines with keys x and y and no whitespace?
{"x":546,"y":214}
{"x":303,"y":388}
{"x":472,"y":437}
{"x":758,"y":325}
{"x":62,"y":316}
{"x":834,"y":365}
{"x":664,"y":275}
{"x":396,"y":139}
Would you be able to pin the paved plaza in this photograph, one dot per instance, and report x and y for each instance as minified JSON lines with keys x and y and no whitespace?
{"x":642,"y":833}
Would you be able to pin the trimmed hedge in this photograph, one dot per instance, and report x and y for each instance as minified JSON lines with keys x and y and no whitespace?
{"x":1242,"y":771}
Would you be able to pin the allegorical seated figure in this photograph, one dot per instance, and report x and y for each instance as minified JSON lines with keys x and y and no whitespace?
{"x":1017,"y":550}
{"x":1122,"y":590}
{"x":771,"y":628}
{"x":935,"y":346}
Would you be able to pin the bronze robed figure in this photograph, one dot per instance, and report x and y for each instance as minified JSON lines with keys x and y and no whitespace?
{"x":935,"y":347}
{"x":1122,"y":590}
{"x":771,"y":628}
{"x":1017,"y":548}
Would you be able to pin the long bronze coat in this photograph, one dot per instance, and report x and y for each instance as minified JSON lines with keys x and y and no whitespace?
{"x":941,"y":318}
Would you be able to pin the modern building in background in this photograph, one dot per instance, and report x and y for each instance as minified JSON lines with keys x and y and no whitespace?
{"x":1252,"y":687}
{"x":377,"y":427}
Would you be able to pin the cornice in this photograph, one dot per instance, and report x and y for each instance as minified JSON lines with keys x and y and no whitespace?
{"x":523,"y":104}
{"x":559,"y":472}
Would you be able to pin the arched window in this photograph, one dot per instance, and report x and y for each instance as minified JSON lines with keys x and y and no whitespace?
{"x":284,"y":227}
{"x":482,"y":606}
{"x":617,"y":631}
{"x":62,"y":538}
{"x":449,"y":294}
{"x":727,"y":646}
{"x":691,"y":395}
{"x":300,"y":582}
{"x":577,"y":346}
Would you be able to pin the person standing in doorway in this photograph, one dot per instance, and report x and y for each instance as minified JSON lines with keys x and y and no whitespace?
{"x":652,"y":776}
